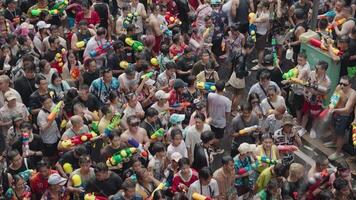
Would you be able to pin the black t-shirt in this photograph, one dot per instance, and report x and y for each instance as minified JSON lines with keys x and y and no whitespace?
{"x":185,"y":64}
{"x":22,"y":168}
{"x":25,"y":87}
{"x":107,"y":187}
{"x":35,"y":145}
{"x":10,"y":15}
{"x":92,"y":103}
{"x":68,"y":157}
{"x":51,"y":54}
{"x":89,"y":77}
{"x":35,"y":98}
{"x":151,"y":128}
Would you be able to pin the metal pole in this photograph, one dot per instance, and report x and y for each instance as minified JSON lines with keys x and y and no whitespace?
{"x":313,"y":21}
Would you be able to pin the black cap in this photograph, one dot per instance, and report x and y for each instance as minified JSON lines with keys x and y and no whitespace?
{"x":179,"y":83}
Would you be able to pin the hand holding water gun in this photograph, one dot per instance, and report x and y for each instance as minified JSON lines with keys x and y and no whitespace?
{"x":287,"y":148}
{"x":323,"y":176}
{"x":161,"y":186}
{"x":77,"y":140}
{"x":67,"y":168}
{"x":292,"y":73}
{"x":102,"y":49}
{"x":329,"y":14}
{"x":264,"y":159}
{"x":248,"y":168}
{"x":154,"y":62}
{"x":77,"y":182}
{"x":138,"y":146}
{"x":134,"y":44}
{"x":129,"y":19}
{"x":55,"y":110}
{"x":252,"y":28}
{"x":92,"y":196}
{"x":197,"y":196}
{"x":147,"y":75}
{"x":25,"y":143}
{"x":59,"y":61}
{"x":248,"y":130}
{"x":338,"y":22}
{"x":95,"y":127}
{"x":119,"y":157}
{"x":208,"y":86}
{"x":316,"y":87}
{"x":115,"y":121}
{"x":158,"y":133}
{"x":81,"y":44}
{"x":171,"y":19}
{"x":334,"y":100}
{"x":317,"y":43}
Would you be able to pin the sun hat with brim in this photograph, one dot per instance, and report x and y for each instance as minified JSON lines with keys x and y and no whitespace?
{"x":9,"y":95}
{"x":244,"y":148}
{"x":287,"y":120}
{"x":176,"y":118}
{"x":56,"y":179}
{"x":160,"y":94}
{"x":41,"y":25}
{"x":176,"y":156}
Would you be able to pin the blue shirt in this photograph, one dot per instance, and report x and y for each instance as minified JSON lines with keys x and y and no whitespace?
{"x":244,"y":163}
{"x":102,"y":90}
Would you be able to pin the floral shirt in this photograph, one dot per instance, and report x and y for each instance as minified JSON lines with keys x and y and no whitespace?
{"x":244,"y":163}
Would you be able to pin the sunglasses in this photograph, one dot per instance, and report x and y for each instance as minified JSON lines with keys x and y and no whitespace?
{"x":344,"y":84}
{"x":134,"y":124}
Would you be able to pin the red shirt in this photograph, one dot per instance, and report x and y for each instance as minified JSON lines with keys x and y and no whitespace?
{"x":94,"y":18}
{"x":177,"y":179}
{"x":38,"y":184}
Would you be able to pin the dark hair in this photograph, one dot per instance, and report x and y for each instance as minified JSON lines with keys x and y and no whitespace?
{"x":80,"y":150}
{"x":128,"y":184}
{"x":54,"y":77}
{"x":345,"y":77}
{"x":171,"y":65}
{"x":43,"y":163}
{"x":326,"y":195}
{"x":264,"y":74}
{"x":176,"y":38}
{"x":207,"y":136}
{"x":112,"y":95}
{"x":44,"y":98}
{"x":323,"y":24}
{"x":131,"y":119}
{"x":191,"y":80}
{"x":12,"y":154}
{"x":265,"y":136}
{"x":158,"y":147}
{"x":252,"y":96}
{"x":175,"y":132}
{"x":151,"y":112}
{"x":26,"y":125}
{"x":116,"y":132}
{"x":183,"y":161}
{"x":199,"y":115}
{"x":226,"y":159}
{"x":52,"y":39}
{"x":84,"y":158}
{"x":280,"y":169}
{"x":42,"y":64}
{"x":105,"y":109}
{"x":39,"y":78}
{"x":246,"y":107}
{"x":340,"y":183}
{"x":323,"y":64}
{"x":164,"y":49}
{"x":220,"y":85}
{"x":205,"y":173}
{"x":299,"y":13}
{"x":101,"y":167}
{"x":101,"y":31}
{"x":272,"y":184}
{"x":303,"y":55}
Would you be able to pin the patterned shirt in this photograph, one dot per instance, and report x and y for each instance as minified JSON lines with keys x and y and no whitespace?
{"x":245,"y":163}
{"x":102,"y":90}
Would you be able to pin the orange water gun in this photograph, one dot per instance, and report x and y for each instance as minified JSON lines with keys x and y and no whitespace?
{"x":354,"y":134}
{"x":55,"y":111}
{"x":338,"y":22}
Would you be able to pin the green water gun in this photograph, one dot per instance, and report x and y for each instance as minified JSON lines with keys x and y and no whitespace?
{"x":119,"y":157}
{"x":159,"y":133}
{"x":292,"y":73}
{"x":134,"y":44}
{"x":148,"y":75}
{"x":60,"y":5}
{"x":115,"y":121}
{"x":37,"y":12}
{"x":95,"y":127}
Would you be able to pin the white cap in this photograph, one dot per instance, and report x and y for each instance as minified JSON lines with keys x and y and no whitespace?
{"x":42,"y":25}
{"x":176,"y":156}
{"x":150,"y":82}
{"x":160,"y":94}
{"x":56,"y":179}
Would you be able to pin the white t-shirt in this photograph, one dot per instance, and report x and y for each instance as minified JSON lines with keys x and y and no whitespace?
{"x":181,"y":148}
{"x":211,"y":190}
{"x":129,"y":111}
{"x":262,"y":28}
{"x":266,"y":106}
{"x":219,"y":105}
{"x":297,"y":88}
{"x":139,"y":9}
{"x":192,"y":137}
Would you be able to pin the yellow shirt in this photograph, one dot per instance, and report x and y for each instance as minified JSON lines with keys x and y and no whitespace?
{"x":103,"y":124}
{"x":273,"y":155}
{"x":264,"y":179}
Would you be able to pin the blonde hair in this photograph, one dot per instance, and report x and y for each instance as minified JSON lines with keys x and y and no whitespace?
{"x":296,"y":170}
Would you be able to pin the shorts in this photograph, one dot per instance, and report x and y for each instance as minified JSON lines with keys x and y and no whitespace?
{"x":219,"y":132}
{"x":157,"y":47}
{"x":261,"y":42}
{"x":235,"y":91}
{"x":340,"y":124}
{"x":313,"y":109}
{"x":298,"y":101}
{"x":50,"y":150}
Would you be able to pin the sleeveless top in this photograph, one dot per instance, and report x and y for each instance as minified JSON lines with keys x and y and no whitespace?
{"x":242,"y":12}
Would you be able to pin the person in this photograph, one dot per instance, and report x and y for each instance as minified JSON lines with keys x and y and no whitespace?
{"x":185,"y":64}
{"x":342,"y":171}
{"x":138,"y":7}
{"x":239,"y":13}
{"x":105,"y":183}
{"x":25,"y":85}
{"x":158,"y":162}
{"x":146,"y":183}
{"x":273,"y":122}
{"x":272,"y":101}
{"x":115,"y":145}
{"x":4,"y":87}
{"x":219,"y":108}
{"x":261,"y":87}
{"x":295,"y":185}
{"x":91,"y":72}
{"x":342,"y":188}
{"x":18,"y":163}
{"x":129,"y":80}
{"x":273,"y":191}
{"x":39,"y":181}
{"x":299,"y":28}
{"x":128,"y":192}
{"x":225,"y":177}
{"x":347,"y":26}
{"x":101,"y":87}
{"x":95,"y":42}
{"x":151,"y":123}
{"x":71,"y":157}
{"x":46,"y":70}
{"x":206,"y":185}
{"x":202,"y":151}
{"x":161,"y":105}
{"x":177,"y":144}
{"x":341,"y":114}
{"x":244,"y":120}
{"x":268,"y":150}
{"x":135,"y":132}
{"x":19,"y":189}
{"x":184,"y":177}
{"x":133,"y":108}
{"x":277,"y":171}
{"x":108,"y":114}
{"x":78,"y":128}
{"x":164,"y":79}
{"x":321,"y":165}
{"x":208,"y":74}
{"x":56,"y":188}
{"x":58,"y":85}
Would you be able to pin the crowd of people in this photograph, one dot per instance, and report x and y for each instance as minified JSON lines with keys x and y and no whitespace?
{"x":136,"y":99}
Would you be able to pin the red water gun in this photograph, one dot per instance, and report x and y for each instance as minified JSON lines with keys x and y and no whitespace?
{"x":171,"y":19}
{"x":58,"y":61}
{"x":77,"y":140}
{"x":317,"y":43}
{"x":179,"y":106}
{"x":287,"y":148}
{"x":100,"y":49}
{"x":338,"y":23}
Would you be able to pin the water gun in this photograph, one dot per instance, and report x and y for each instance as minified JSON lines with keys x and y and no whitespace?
{"x":67,"y":168}
{"x":92,"y":196}
{"x":323,"y":176}
{"x":77,"y":181}
{"x":248,"y":168}
{"x":208,"y":86}
{"x":37,"y":12}
{"x":138,"y":146}
{"x":81,"y":44}
{"x":264,"y":159}
{"x":119,"y":157}
{"x":55,"y":110}
{"x":354,"y":134}
{"x":317,"y":43}
{"x":154,"y":62}
{"x":248,"y":130}
{"x":158,"y":133}
{"x":166,"y":31}
{"x":58,"y":61}
{"x":75,"y":72}
{"x":292,"y":73}
{"x":287,"y":148}
{"x":197,"y":196}
{"x":338,"y":22}
{"x":115,"y":121}
{"x":329,"y":14}
{"x":252,"y":28}
{"x":206,"y":32}
{"x":316,"y":87}
{"x":129,"y":19}
{"x":61,"y":5}
{"x":171,"y":19}
{"x":179,"y":106}
{"x":161,"y":186}
{"x":77,"y":140}
{"x":334,"y":100}
{"x":134,"y":44}
{"x":27,"y":174}
{"x":147,"y":75}
{"x":25,"y":143}
{"x":274,"y":52}
{"x":95,"y":127}
{"x":124,"y":64}
{"x":100,"y":49}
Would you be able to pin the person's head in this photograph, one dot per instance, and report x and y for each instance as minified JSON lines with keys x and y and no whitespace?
{"x":302,"y":59}
{"x":83,"y":25}
{"x":11,"y":4}
{"x":83,"y":92}
{"x":84,"y":162}
{"x":107,"y":75}
{"x":205,"y":176}
{"x":199,"y":120}
{"x":344,"y":83}
{"x":235,"y":29}
{"x":28,"y":62}
{"x":244,"y":150}
{"x":136,"y":163}
{"x":208,"y":21}
{"x":26,"y":127}
{"x":273,"y":186}
{"x":4,"y":82}
{"x":323,"y":24}
{"x":321,"y":162}
{"x":287,"y":123}
{"x":176,"y":136}
{"x":19,"y":183}
{"x":184,"y":165}
{"x":77,"y":122}
{"x":56,"y":79}
{"x":280,"y":111}
{"x":326,"y":195}
{"x":10,"y":99}
{"x":107,"y":111}
{"x":346,"y":12}
{"x":267,"y":141}
{"x":253,"y":99}
{"x":220,"y":85}
{"x":191,"y":81}
{"x":130,"y":72}
{"x":133,"y":122}
{"x":131,"y":100}
{"x":41,"y":83}
{"x":272,"y":93}
{"x":207,"y":137}
{"x":129,"y":188}
{"x":205,"y":56}
{"x":343,"y":42}
{"x":55,"y":31}
{"x":209,"y":69}
{"x":79,"y":151}
{"x":339,"y":5}
{"x":228,"y":163}
{"x":296,"y":172}
{"x":246,"y":110}
{"x":343,"y":169}
{"x":179,"y":85}
{"x":321,"y":67}
{"x":264,"y":78}
{"x":78,"y":109}
{"x":142,"y":176}
{"x":159,"y":149}
{"x":101,"y":171}
{"x":44,"y":66}
{"x":55,"y":182}
{"x":15,"y":157}
{"x":151,"y":115}
{"x":44,"y":168}
{"x":299,"y":14}
{"x":90,"y":64}
{"x":54,"y":42}
{"x":46,"y":102}
{"x":170,"y":68}
{"x":161,"y":96}
{"x":101,"y":33}
{"x":342,"y":187}
{"x":114,"y":137}
{"x":280,"y":170}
